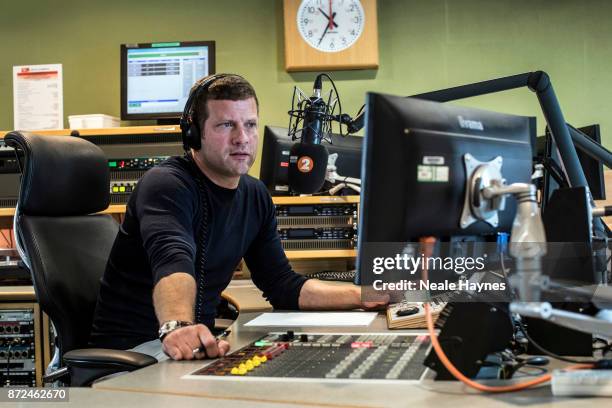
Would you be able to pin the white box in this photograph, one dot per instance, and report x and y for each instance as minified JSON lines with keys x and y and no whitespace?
{"x":97,"y":120}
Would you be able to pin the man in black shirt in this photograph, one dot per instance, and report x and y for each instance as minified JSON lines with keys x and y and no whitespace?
{"x":187,"y":225}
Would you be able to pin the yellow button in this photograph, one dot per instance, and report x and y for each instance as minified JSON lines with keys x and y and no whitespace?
{"x":263,"y":359}
{"x":242,"y":366}
{"x":234,"y":371}
{"x":122,"y":189}
{"x":249,"y":365}
{"x":257,"y":362}
{"x":115,"y":189}
{"x":242,"y":371}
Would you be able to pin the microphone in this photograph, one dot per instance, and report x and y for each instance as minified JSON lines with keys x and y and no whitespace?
{"x":308,"y":158}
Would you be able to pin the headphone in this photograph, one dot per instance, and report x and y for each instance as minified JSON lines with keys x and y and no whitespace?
{"x":190,"y":128}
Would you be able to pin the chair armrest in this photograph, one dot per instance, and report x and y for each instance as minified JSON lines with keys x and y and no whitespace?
{"x":107,"y":357}
{"x":87,"y":365}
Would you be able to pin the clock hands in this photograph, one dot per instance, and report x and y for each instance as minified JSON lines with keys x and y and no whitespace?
{"x":326,"y":28}
{"x":328,"y":18}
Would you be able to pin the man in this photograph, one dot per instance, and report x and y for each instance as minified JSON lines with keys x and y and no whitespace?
{"x":187,"y":225}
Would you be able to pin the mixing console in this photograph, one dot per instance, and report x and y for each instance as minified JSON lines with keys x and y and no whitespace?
{"x":334,"y":357}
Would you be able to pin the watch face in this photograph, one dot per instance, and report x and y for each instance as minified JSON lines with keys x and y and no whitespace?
{"x":330,"y":25}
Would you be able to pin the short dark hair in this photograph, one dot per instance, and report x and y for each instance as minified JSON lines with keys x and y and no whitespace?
{"x":231,"y":86}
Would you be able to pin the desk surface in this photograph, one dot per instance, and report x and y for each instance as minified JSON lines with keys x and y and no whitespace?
{"x":165,"y":378}
{"x":86,"y":397}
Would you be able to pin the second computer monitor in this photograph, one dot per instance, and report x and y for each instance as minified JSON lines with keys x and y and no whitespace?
{"x":275,"y":158}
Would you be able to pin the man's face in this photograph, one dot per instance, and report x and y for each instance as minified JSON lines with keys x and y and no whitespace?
{"x":229,"y":139}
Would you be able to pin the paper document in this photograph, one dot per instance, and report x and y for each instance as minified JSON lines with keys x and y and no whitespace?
{"x":325,"y":319}
{"x":38,"y":99}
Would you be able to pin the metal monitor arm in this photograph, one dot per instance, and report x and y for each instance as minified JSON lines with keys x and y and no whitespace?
{"x":485,"y":195}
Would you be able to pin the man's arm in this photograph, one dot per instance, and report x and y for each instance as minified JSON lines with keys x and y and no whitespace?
{"x":317,"y":295}
{"x":174,"y":299}
{"x":285,"y":289}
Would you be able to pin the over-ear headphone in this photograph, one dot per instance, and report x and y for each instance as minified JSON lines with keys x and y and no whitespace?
{"x":190,"y":127}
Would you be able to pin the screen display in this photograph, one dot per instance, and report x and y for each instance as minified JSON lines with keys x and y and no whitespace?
{"x":157,"y":78}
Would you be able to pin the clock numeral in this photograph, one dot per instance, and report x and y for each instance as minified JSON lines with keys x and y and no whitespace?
{"x":343,"y":40}
{"x":331,"y":45}
{"x":356,"y":19}
{"x":353,"y":32}
{"x":305,"y":21}
{"x":309,"y":33}
{"x":311,"y":10}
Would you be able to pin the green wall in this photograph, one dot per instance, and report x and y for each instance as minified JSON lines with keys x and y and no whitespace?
{"x":424,"y":45}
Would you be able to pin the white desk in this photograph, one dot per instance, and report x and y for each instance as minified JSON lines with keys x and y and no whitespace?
{"x":165,"y":379}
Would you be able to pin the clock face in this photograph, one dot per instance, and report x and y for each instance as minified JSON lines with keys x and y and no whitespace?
{"x":330,"y":25}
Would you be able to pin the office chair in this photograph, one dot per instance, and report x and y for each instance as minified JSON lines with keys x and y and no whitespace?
{"x":64,"y":181}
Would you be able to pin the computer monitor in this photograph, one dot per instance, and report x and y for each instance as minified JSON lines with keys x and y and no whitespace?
{"x":156,"y":77}
{"x":592,"y":168}
{"x":413,"y":174}
{"x":275,"y":158}
{"x":418,"y":157}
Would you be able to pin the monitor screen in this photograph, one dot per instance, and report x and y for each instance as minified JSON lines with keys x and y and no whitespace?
{"x":414,"y":169}
{"x":156,"y":77}
{"x":592,"y":168}
{"x":419,"y":157}
{"x":274,"y":171}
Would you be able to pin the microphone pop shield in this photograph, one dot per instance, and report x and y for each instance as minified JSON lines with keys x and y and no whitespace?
{"x":307,"y":167}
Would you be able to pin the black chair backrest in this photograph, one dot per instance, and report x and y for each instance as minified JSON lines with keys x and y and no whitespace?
{"x":64,"y":180}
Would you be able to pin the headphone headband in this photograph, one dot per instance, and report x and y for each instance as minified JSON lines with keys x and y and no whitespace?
{"x":190,"y":128}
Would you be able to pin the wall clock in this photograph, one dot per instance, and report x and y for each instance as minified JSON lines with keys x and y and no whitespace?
{"x":330,"y":35}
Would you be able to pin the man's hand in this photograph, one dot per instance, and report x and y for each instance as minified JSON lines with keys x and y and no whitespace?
{"x":376,"y":304}
{"x":317,"y":295}
{"x":180,"y":343}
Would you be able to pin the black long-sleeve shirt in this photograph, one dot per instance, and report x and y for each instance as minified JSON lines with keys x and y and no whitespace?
{"x":159,"y":236}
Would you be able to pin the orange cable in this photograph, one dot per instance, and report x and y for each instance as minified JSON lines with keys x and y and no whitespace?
{"x":428,"y":241}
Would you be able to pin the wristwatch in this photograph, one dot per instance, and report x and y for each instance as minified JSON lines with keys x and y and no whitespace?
{"x":171,"y":325}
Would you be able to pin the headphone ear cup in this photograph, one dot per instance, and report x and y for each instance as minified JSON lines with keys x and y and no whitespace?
{"x":193,"y":137}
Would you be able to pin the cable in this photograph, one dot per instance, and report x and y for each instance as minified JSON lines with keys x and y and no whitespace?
{"x":427,"y":244}
{"x":339,"y":102}
{"x":201,"y":244}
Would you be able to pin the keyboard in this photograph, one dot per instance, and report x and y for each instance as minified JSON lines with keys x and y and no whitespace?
{"x":341,"y":276}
